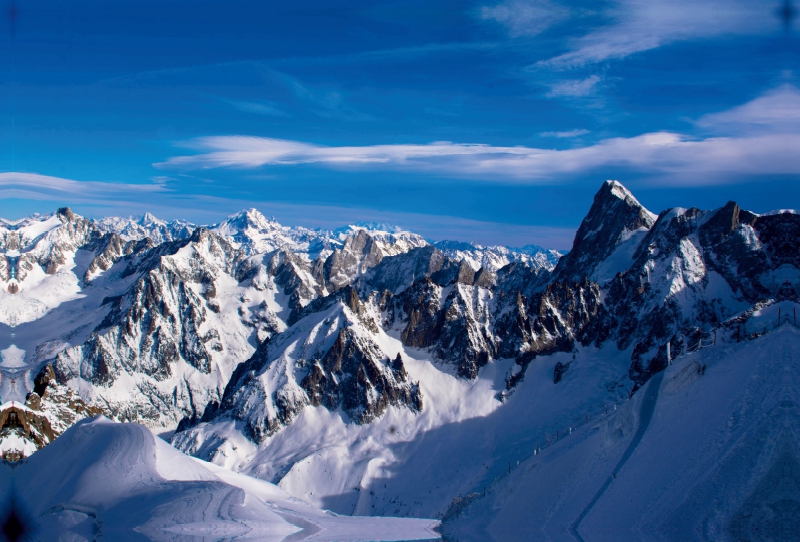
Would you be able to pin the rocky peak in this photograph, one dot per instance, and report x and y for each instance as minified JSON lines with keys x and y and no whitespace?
{"x":49,"y":410}
{"x":779,"y":234}
{"x":359,"y":253}
{"x":400,"y":272}
{"x":614,"y":213}
{"x":251,"y":218}
{"x":724,"y":222}
{"x":65,"y":214}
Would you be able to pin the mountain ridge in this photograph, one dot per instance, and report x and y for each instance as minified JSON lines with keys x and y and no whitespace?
{"x":258,"y":342}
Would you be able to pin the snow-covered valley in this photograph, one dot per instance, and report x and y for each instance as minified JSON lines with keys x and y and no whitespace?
{"x":372,"y":373}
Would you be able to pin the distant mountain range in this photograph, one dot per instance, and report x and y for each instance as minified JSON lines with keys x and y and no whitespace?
{"x":367,"y":370}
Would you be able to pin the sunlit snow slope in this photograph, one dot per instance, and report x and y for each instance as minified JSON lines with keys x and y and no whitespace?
{"x":115,"y":481}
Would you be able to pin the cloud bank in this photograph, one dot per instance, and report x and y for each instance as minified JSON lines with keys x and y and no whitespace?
{"x":764,"y":142}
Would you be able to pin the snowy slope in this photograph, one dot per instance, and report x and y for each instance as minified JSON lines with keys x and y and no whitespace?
{"x":121,"y":481}
{"x":706,"y":451}
{"x":527,"y":350}
{"x":414,"y":463}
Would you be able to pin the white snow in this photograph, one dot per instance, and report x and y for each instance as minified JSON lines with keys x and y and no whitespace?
{"x":38,"y":294}
{"x":692,"y":459}
{"x":13,"y":357}
{"x":624,"y":194}
{"x":120,"y":479}
{"x":404,"y":463}
{"x":622,"y":257}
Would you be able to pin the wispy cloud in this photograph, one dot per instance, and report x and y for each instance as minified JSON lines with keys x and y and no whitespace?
{"x":658,"y":152}
{"x":525,"y":17}
{"x":43,"y":187}
{"x":777,"y":110}
{"x":682,"y":156}
{"x":575,"y":88}
{"x":570,"y":133}
{"x":258,"y":108}
{"x":640,"y":25}
{"x":330,"y":104}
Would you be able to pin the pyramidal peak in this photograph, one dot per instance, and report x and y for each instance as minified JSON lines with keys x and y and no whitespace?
{"x":617,"y":189}
{"x":614,"y":217}
{"x":149,"y":218}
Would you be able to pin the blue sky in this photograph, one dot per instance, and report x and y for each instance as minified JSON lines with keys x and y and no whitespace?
{"x":488,"y":121}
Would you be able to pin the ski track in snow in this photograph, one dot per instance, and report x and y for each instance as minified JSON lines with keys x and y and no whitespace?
{"x":645,"y":416}
{"x":692,"y":461}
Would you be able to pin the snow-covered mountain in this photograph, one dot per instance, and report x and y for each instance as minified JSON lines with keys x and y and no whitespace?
{"x":137,"y":228}
{"x":147,"y":319}
{"x":347,"y":366}
{"x":632,"y":283}
{"x":493,"y":258}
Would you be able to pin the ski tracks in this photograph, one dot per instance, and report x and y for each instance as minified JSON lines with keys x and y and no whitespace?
{"x":645,"y":417}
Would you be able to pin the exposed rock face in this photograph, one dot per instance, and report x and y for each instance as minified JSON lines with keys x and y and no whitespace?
{"x":336,"y":364}
{"x":160,"y":329}
{"x":614,"y":213}
{"x":110,"y":248}
{"x":352,"y":375}
{"x":49,"y":410}
{"x":60,"y":404}
{"x":52,"y":248}
{"x":181,"y":307}
{"x":467,"y":318}
{"x":452,"y":319}
{"x":359,"y":253}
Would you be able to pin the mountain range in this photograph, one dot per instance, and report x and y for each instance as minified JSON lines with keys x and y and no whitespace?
{"x":367,"y":370}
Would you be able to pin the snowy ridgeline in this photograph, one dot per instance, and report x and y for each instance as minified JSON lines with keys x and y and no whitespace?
{"x":256,"y":234}
{"x":366,"y":371}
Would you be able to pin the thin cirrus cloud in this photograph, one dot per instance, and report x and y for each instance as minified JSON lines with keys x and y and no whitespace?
{"x":776,"y":110}
{"x":575,"y":88}
{"x":641,"y":25}
{"x":525,"y":17}
{"x":770,"y":149}
{"x":266,"y":109}
{"x":658,"y":152}
{"x":569,"y":133}
{"x":34,"y":186}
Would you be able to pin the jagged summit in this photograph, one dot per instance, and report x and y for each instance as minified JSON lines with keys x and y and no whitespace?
{"x":251,"y":217}
{"x":614,"y":216}
{"x":372,"y":226}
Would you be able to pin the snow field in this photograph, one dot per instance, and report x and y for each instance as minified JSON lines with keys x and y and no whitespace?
{"x":714,"y":436}
{"x":121,"y":481}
